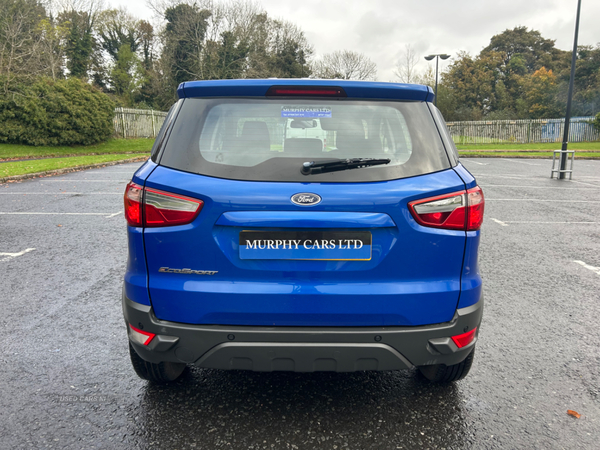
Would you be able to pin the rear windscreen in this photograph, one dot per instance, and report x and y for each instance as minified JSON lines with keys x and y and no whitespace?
{"x":270,"y":139}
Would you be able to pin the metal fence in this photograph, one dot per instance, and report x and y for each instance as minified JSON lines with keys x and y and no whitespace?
{"x":137,"y":123}
{"x":524,"y":131}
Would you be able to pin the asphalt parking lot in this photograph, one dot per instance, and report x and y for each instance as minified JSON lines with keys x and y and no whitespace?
{"x":66,"y":380}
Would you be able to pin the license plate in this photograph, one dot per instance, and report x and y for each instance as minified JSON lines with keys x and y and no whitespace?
{"x":307,"y":245}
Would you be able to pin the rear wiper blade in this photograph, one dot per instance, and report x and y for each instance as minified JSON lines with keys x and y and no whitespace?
{"x":334,"y":165}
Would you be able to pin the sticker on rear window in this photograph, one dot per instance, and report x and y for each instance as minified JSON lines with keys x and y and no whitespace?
{"x":314,"y":112}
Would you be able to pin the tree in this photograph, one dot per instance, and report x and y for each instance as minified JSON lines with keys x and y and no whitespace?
{"x":288,"y":51}
{"x":116,"y":27}
{"x":19,"y":39}
{"x":225,"y":59}
{"x":52,"y":47}
{"x":540,"y":94}
{"x":405,"y":69}
{"x":512,"y":57}
{"x":469,"y":84}
{"x":204,"y":40}
{"x":586,"y":96}
{"x":184,"y":41}
{"x":80,"y":41}
{"x":146,"y":37}
{"x":258,"y":39}
{"x":532,"y":50}
{"x":596,"y":122}
{"x":126,"y":76}
{"x":345,"y":65}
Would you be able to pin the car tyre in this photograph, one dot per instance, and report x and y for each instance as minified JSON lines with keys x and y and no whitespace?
{"x":441,"y":373}
{"x":162,"y":372}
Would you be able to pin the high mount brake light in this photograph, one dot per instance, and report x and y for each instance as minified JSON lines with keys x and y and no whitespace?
{"x":153,"y":208}
{"x":461,"y":210}
{"x":305,"y":91}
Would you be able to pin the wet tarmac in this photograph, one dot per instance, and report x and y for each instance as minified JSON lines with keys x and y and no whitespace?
{"x":66,"y":380}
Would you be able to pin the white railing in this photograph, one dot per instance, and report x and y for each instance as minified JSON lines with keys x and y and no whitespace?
{"x":525,"y":131}
{"x":137,"y":123}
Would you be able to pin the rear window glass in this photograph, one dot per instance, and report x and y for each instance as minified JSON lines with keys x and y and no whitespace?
{"x":270,"y":139}
{"x":446,"y":136}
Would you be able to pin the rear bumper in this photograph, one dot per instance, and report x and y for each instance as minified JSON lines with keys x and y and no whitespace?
{"x":302,"y":349}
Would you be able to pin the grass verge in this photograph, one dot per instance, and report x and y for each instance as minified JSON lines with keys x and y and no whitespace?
{"x":523,"y":147}
{"x":113,"y":146}
{"x":41,"y":165}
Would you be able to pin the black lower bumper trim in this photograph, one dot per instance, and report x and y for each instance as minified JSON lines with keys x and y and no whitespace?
{"x":302,"y":349}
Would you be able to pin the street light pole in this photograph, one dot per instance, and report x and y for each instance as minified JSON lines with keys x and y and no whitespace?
{"x":437,"y":57}
{"x":563,"y":155}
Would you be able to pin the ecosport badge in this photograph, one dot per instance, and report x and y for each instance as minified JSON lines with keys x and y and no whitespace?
{"x":188,"y":271}
{"x":305,"y":199}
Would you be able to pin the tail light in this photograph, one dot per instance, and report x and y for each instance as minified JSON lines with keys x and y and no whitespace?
{"x":456,"y":211}
{"x":133,"y":204}
{"x":153,"y":208}
{"x":476,"y":204}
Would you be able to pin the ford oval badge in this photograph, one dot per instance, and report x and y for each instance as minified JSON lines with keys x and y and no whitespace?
{"x":305,"y":199}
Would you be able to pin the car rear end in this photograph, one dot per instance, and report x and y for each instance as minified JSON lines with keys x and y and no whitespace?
{"x":303,"y":225}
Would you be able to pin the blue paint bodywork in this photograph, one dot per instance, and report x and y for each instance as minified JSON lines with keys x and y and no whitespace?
{"x":413,"y":277}
{"x":258,"y":88}
{"x":416,"y":275}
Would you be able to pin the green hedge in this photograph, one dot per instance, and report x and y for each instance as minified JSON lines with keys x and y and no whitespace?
{"x":597,"y":122}
{"x":55,"y":112}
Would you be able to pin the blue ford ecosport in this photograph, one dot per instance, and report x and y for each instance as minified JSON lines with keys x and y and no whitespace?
{"x":303,"y":225}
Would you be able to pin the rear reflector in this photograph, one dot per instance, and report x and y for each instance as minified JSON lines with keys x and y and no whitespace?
{"x":461,"y":210}
{"x":307,"y":91}
{"x":153,"y":208}
{"x":464,"y":339}
{"x":141,"y":337}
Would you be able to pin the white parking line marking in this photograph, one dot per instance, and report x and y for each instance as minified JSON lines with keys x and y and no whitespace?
{"x":8,"y":256}
{"x":482,"y":175}
{"x":525,"y":177}
{"x":68,"y":193}
{"x":587,"y":266}
{"x":522,"y":162}
{"x":475,"y":162}
{"x":499,"y":222}
{"x":538,"y":187}
{"x":587,"y":184}
{"x":115,"y":214}
{"x":56,"y":214}
{"x":77,"y":180}
{"x":538,"y":200}
{"x":543,"y":223}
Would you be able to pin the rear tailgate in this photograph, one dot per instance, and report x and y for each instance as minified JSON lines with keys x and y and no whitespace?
{"x":410,"y":277}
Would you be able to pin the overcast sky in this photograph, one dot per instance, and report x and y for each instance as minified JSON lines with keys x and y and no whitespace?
{"x":380,"y":29}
